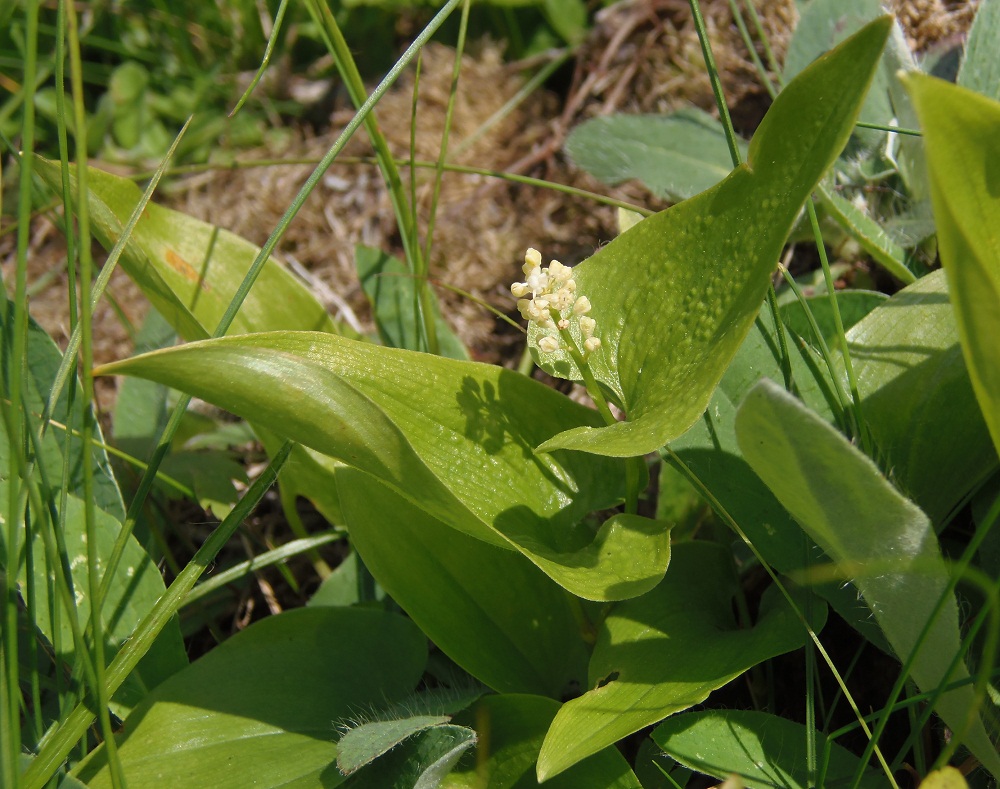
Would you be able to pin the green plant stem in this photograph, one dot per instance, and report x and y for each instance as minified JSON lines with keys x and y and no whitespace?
{"x":633,"y":467}
{"x":275,"y":556}
{"x":94,"y":579}
{"x":860,"y":428}
{"x":751,"y":49}
{"x":713,"y":76}
{"x":74,"y":726}
{"x":772,"y":61}
{"x":529,"y":87}
{"x":737,"y":160}
{"x":426,"y":297}
{"x":453,"y":168}
{"x":279,"y":17}
{"x":15,"y":356}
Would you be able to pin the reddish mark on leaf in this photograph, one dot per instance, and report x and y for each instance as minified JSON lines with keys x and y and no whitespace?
{"x":185,"y":269}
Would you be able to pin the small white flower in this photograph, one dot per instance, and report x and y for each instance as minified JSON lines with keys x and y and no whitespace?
{"x":533,"y":258}
{"x":582,"y":306}
{"x":587,"y":326}
{"x":519,"y":289}
{"x":548,"y":344}
{"x":591,"y":344}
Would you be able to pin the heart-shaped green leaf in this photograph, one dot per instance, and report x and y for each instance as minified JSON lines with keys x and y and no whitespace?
{"x":261,"y":708}
{"x":674,"y":296}
{"x":963,"y":156}
{"x":453,"y":437}
{"x":512,"y":728}
{"x":842,"y":501}
{"x":666,"y":651}
{"x":764,"y":750}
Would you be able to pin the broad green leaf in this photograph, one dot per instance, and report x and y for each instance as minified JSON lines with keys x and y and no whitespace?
{"x":261,"y":709}
{"x":980,"y":69}
{"x":675,"y":156}
{"x":710,"y":451}
{"x":842,"y":501}
{"x":189,"y":269}
{"x":489,"y":610}
{"x":210,"y":474}
{"x":675,"y":296}
{"x":852,"y":304}
{"x":512,"y":728}
{"x":763,"y":750}
{"x":455,"y":438}
{"x":963,"y":156}
{"x":917,"y":399}
{"x":666,"y":651}
{"x":392,"y":291}
{"x":133,"y":591}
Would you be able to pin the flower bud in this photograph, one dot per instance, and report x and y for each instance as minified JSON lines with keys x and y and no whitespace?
{"x":582,"y":306}
{"x":548,"y":344}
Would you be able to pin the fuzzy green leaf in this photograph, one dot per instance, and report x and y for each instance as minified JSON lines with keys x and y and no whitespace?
{"x":674,"y":296}
{"x":842,"y":501}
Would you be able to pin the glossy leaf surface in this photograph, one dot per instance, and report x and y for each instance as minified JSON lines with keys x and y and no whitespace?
{"x":455,"y":438}
{"x":764,"y":750}
{"x":666,"y":651}
{"x":963,"y":156}
{"x":674,"y":296}
{"x":261,"y":709}
{"x":843,"y":502}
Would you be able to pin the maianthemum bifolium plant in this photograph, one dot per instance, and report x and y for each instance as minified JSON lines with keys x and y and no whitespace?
{"x":503,"y":517}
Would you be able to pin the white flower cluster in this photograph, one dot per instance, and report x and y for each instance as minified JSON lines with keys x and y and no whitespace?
{"x":553,"y":293}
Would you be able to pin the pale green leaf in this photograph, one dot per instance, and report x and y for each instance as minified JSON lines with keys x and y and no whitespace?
{"x":674,"y":296}
{"x":666,"y":651}
{"x":980,"y":69}
{"x":675,"y":156}
{"x":842,"y":501}
{"x":189,"y":269}
{"x":963,"y":156}
{"x":261,"y":708}
{"x":917,"y":399}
